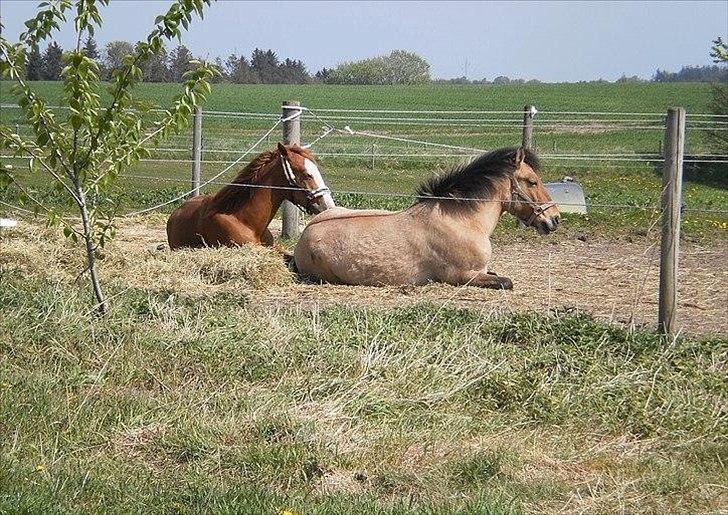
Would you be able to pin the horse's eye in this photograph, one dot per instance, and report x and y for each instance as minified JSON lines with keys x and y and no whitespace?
{"x":532,"y":182}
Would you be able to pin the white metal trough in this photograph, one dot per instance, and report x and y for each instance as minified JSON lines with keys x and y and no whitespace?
{"x":568,"y":195}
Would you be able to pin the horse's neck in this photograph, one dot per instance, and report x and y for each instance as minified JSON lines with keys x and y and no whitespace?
{"x":483,"y":217}
{"x":263,"y":203}
{"x":488,"y":214}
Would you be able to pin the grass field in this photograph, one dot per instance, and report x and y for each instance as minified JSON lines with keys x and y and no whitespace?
{"x":605,"y":182}
{"x":191,"y":397}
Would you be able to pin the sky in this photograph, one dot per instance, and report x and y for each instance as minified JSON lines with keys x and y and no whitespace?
{"x":550,"y":41}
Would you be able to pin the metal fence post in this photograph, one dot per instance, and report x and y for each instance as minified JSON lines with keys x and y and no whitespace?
{"x":196,"y":150}
{"x":529,"y":112}
{"x":671,"y":205}
{"x":291,"y":135}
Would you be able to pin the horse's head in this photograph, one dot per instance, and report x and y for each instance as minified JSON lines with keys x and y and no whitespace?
{"x":530,"y":202}
{"x":303,"y":174}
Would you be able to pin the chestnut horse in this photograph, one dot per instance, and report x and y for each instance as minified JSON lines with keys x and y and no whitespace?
{"x":444,"y":236}
{"x":240,"y":212}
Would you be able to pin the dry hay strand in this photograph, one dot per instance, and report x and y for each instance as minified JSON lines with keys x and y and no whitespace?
{"x":35,"y":250}
{"x":197,"y":272}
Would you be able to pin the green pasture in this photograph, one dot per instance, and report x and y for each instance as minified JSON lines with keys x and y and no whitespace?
{"x":178,"y":404}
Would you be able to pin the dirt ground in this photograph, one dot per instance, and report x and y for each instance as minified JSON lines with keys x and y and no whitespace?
{"x":614,"y":281}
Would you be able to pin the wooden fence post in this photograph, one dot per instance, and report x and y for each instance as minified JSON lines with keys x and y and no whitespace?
{"x":671,"y":204}
{"x":196,"y":150}
{"x":291,"y":135}
{"x":529,"y":112}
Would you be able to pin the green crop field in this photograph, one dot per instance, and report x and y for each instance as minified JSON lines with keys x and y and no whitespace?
{"x":396,"y":167}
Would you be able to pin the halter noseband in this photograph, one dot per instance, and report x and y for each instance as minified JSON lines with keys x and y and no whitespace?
{"x":536,"y":209}
{"x":291,"y":178}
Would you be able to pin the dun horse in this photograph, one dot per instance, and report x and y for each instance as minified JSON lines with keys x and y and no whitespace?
{"x":443,"y":237}
{"x":240,"y":212}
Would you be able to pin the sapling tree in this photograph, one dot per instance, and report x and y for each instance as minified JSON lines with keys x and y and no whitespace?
{"x":83,"y":149}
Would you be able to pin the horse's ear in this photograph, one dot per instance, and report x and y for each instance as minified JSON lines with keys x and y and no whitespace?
{"x":282,"y":150}
{"x":520,"y":156}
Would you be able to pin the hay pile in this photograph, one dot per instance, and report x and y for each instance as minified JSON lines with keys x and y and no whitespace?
{"x":34,"y":250}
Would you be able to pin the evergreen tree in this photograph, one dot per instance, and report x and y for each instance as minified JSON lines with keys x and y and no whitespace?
{"x":239,"y":71}
{"x":90,"y":49}
{"x":34,"y":67}
{"x":265,"y":64}
{"x":52,"y":62}
{"x":322,"y":74}
{"x":179,"y":63}
{"x":293,"y":71}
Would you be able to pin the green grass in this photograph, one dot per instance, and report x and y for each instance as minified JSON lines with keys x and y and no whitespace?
{"x":623,"y":183}
{"x":180,"y":404}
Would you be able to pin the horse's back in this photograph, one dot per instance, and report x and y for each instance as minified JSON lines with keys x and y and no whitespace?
{"x":359,"y":247}
{"x":342,"y":212}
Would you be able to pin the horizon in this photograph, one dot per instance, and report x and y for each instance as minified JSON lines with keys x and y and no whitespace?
{"x":549,"y":26}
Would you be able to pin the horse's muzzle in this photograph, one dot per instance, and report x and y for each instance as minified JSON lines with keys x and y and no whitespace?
{"x":548,"y":225}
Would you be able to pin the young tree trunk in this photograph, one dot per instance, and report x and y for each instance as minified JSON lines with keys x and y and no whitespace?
{"x":101,"y":305}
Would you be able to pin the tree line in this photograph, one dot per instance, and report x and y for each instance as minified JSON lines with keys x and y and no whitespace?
{"x":262,"y":67}
{"x":713,"y":73}
{"x":265,"y":67}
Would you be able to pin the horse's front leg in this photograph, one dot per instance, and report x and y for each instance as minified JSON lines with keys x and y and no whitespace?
{"x":485,"y":279}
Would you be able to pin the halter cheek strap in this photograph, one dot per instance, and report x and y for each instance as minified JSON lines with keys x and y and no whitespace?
{"x":291,"y":178}
{"x":536,"y":209}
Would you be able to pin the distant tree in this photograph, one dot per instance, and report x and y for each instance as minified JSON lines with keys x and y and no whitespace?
{"x":115,"y":52}
{"x":90,"y":49}
{"x":399,"y":67}
{"x":322,"y":74}
{"x":624,"y":79}
{"x":501,"y":79}
{"x":238,"y":70}
{"x":220,"y":66}
{"x":265,"y":64}
{"x":292,"y":71}
{"x":179,"y":63}
{"x":719,"y":103}
{"x":52,"y":62}
{"x":455,"y":80}
{"x":533,"y":81}
{"x":34,"y":66}
{"x":156,"y":68}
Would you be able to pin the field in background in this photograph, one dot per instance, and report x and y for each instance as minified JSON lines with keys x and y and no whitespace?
{"x":360,"y":164}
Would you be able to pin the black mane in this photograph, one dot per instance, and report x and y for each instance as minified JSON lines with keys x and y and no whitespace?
{"x":474,"y":179}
